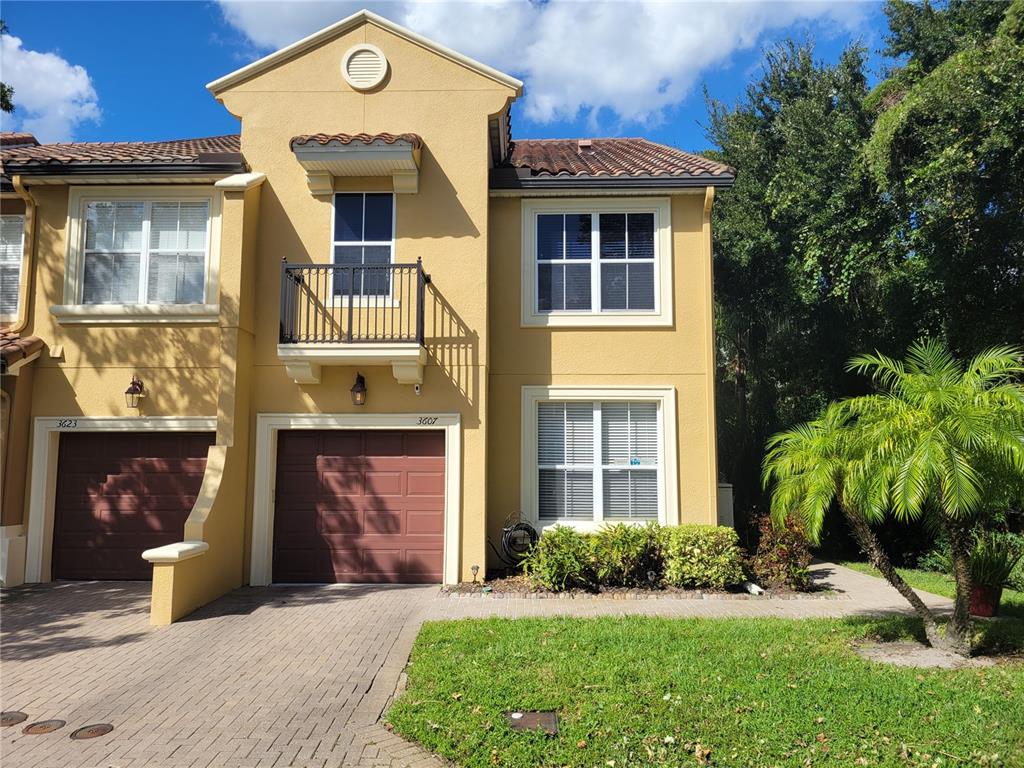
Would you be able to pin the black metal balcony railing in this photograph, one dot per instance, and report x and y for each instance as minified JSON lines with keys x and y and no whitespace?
{"x":352,"y":304}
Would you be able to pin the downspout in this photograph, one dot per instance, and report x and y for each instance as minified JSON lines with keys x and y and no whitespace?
{"x":709,"y":345}
{"x":27,"y":256}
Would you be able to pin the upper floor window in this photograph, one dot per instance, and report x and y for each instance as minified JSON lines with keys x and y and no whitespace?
{"x":364,"y":239}
{"x":596,"y":262}
{"x":12,"y":247}
{"x":145,"y":251}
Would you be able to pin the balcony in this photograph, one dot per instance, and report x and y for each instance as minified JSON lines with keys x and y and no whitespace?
{"x":356,"y":315}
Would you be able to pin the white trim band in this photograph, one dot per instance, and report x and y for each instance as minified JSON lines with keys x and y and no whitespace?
{"x":175,"y":553}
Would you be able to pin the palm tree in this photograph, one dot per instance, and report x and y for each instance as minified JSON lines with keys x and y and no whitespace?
{"x":815,"y":464}
{"x":937,"y":433}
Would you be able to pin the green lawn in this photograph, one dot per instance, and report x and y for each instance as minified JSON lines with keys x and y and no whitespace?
{"x":1012,"y":603}
{"x":755,"y":692}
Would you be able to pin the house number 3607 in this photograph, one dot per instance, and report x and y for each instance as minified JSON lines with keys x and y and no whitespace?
{"x":427,"y":420}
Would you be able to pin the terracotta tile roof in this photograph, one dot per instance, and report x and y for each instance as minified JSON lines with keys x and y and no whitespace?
{"x":323,"y":139}
{"x":14,"y":139}
{"x":14,"y":348}
{"x":214,"y":150}
{"x":610,"y":158}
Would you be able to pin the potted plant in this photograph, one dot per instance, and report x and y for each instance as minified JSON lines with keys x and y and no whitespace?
{"x":992,"y":561}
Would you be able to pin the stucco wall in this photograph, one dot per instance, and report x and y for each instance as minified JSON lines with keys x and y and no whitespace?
{"x":178,"y":363}
{"x":445,"y":224}
{"x":676,"y":356}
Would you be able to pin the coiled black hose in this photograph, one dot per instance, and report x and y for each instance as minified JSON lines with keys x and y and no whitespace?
{"x":517,"y":539}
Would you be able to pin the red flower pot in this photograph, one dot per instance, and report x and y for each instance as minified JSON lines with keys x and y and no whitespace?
{"x":985,"y":600}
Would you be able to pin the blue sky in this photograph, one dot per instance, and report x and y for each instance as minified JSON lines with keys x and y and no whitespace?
{"x":93,"y":71}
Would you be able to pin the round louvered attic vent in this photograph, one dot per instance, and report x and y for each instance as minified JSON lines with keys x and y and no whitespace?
{"x":364,"y":66}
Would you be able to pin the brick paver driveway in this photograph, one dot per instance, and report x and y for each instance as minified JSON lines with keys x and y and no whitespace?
{"x":283,"y":676}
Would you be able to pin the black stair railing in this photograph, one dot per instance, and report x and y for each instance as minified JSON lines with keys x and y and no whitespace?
{"x":352,"y":303}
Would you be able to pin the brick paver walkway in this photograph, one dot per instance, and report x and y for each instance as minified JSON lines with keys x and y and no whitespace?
{"x":855,"y":594}
{"x":281,"y":676}
{"x":284,"y":676}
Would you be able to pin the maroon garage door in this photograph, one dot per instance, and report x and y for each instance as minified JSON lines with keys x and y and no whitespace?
{"x":359,"y":506}
{"x":119,"y":494}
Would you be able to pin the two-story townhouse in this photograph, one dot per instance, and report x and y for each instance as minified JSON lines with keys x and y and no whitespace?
{"x":347,"y":344}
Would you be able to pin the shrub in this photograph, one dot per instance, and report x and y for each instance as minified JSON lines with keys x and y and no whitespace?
{"x":627,"y":556}
{"x":994,"y":558}
{"x":783,"y":555}
{"x":689,"y":556}
{"x":560,"y":560}
{"x":938,"y":559}
{"x":702,"y":556}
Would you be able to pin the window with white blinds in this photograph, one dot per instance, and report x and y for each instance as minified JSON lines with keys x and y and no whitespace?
{"x":598,"y":461}
{"x":595,"y":262}
{"x":145,"y":252}
{"x":12,"y":244}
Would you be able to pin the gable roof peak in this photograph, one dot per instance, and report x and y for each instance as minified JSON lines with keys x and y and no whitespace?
{"x":339,"y":28}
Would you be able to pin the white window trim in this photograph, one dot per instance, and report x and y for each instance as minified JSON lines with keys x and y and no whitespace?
{"x":269,"y":424}
{"x":74,"y":311}
{"x":42,"y":487}
{"x":13,"y":317}
{"x":668,"y":463}
{"x":661,"y":207}
{"x":384,"y":301}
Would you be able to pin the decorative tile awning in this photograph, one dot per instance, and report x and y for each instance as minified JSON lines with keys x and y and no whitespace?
{"x":325,"y":156}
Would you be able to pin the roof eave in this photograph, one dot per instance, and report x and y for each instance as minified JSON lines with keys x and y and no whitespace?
{"x":513,"y":181}
{"x":111,"y":169}
{"x":216,"y":87}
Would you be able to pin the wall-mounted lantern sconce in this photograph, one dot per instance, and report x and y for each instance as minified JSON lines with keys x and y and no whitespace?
{"x":135,"y":391}
{"x":359,"y":390}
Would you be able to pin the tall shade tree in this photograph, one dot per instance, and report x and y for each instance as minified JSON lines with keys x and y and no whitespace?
{"x":938,"y":434}
{"x":803,"y":275}
{"x":6,"y":91}
{"x":947,"y":152}
{"x":816,"y":466}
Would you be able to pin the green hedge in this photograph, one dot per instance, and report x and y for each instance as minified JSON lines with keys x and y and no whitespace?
{"x":686,"y":556}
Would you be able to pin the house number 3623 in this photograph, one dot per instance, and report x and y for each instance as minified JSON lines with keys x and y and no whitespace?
{"x":67,"y":423}
{"x":428,"y":420}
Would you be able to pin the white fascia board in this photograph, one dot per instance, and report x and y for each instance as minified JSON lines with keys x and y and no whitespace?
{"x":339,"y":28}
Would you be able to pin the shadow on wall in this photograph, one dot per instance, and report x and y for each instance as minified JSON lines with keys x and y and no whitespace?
{"x":436,"y":211}
{"x":455,"y":349}
{"x":169,"y":359}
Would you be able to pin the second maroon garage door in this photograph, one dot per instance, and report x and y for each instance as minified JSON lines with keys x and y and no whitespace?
{"x":359,"y":506}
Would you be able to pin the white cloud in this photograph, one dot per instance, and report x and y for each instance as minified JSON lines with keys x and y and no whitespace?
{"x":51,"y":96}
{"x":576,"y":58}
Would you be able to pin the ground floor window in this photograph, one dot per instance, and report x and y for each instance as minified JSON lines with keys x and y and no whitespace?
{"x":598,"y":461}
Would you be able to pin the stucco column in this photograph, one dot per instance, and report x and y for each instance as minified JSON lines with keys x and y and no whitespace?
{"x":209,"y":562}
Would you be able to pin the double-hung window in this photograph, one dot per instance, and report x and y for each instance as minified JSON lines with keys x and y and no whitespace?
{"x":596,"y":263}
{"x":12,"y":247}
{"x":145,"y":251}
{"x":598,"y":461}
{"x":364,"y":236}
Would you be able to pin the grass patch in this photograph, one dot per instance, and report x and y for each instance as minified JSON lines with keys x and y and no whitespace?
{"x":638,"y":691}
{"x":1012,"y":604}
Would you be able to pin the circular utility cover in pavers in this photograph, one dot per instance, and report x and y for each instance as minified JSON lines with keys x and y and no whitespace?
{"x":92,"y":731}
{"x":12,"y":718}
{"x":43,"y":726}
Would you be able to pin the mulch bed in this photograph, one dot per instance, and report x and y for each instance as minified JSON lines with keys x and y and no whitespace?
{"x":520,"y":586}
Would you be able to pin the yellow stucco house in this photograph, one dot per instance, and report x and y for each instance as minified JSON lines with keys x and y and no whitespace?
{"x":346,"y":344}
